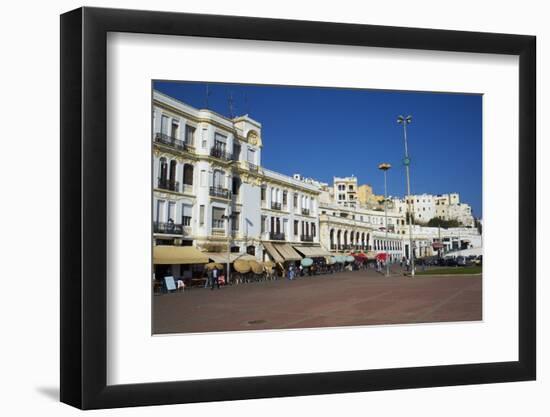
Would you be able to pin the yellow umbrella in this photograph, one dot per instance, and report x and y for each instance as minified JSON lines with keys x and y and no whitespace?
{"x":241,"y":266}
{"x":257,"y":267}
{"x":213,"y":265}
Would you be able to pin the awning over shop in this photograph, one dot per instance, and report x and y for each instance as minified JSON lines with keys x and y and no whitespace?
{"x":273,"y":252}
{"x":312,"y":251}
{"x":287,"y":252}
{"x":221,"y":257}
{"x":173,"y":255}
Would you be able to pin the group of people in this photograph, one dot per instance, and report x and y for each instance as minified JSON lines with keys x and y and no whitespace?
{"x":214,"y":277}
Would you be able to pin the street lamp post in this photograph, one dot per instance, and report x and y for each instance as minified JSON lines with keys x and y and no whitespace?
{"x":406,"y":161}
{"x":385,"y":167}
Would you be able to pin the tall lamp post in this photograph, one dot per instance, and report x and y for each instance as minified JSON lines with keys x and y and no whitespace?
{"x":405,"y":120}
{"x":385,"y":167}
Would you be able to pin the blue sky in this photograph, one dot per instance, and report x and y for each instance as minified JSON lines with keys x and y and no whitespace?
{"x":326,"y":132}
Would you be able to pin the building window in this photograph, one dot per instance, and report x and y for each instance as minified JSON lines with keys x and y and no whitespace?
{"x":218,"y":179}
{"x":236,"y":150}
{"x":186,"y":214}
{"x":236,"y":185}
{"x":164,"y":125}
{"x":235,"y":220}
{"x":173,"y":165}
{"x":204,"y":138}
{"x":296,"y":226}
{"x":251,"y":156}
{"x":201,"y":215}
{"x":160,"y":210}
{"x":171,"y":212}
{"x":341,"y":196}
{"x":190,"y":135}
{"x":285,"y":196}
{"x":295,"y":202}
{"x":175,"y":129}
{"x":220,"y":142}
{"x":188,"y":174}
{"x":163,"y":174}
{"x":262,"y":226}
{"x":218,"y":222}
{"x":262,"y":193}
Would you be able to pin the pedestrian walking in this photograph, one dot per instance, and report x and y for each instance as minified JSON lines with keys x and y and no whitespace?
{"x":215,"y":281}
{"x":208,"y":278}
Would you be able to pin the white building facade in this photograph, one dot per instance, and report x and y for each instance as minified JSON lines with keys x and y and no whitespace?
{"x":211,"y":192}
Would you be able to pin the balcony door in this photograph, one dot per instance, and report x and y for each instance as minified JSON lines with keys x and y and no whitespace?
{"x":217,"y":181}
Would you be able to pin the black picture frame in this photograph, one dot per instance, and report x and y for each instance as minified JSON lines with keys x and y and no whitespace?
{"x":84,"y":207}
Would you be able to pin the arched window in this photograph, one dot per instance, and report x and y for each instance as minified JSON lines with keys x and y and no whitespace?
{"x":163,"y":170}
{"x":188,"y":174}
{"x":173,"y":165}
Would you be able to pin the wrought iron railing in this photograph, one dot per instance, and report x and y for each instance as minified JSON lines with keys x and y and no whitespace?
{"x":275,"y":205}
{"x":167,"y":228}
{"x":221,"y":154}
{"x":306,"y":238}
{"x":276,"y":236}
{"x":168,"y":184}
{"x":186,"y":220}
{"x":168,"y":140}
{"x":220,"y":192}
{"x":305,"y":212}
{"x":253,"y":167}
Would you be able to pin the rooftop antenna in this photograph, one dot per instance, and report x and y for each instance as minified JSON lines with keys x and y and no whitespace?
{"x":230,"y":101}
{"x":207,"y":95}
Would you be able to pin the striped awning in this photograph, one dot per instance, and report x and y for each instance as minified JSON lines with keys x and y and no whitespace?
{"x":312,"y":251}
{"x":273,"y":252}
{"x":287,"y":252}
{"x":174,"y":255}
{"x":222,"y":257}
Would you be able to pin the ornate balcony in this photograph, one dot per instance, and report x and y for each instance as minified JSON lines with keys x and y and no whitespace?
{"x":221,"y":154}
{"x":220,"y":192}
{"x":168,"y":140}
{"x":275,"y":205}
{"x":276,"y":236}
{"x":305,"y":212}
{"x":306,"y":238}
{"x":167,"y":184}
{"x":169,"y":228}
{"x":252,"y":167}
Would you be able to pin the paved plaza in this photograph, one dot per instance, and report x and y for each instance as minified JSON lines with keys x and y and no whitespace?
{"x":342,"y":299}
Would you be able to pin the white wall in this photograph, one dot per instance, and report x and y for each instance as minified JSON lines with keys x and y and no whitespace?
{"x":30,"y":329}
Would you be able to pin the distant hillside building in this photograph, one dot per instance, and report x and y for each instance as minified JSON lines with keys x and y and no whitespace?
{"x":443,"y":206}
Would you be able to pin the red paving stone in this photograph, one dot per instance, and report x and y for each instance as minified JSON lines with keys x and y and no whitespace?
{"x":343,"y":299}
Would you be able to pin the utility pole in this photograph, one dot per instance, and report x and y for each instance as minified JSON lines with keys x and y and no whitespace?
{"x":385,"y":167}
{"x":406,"y":161}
